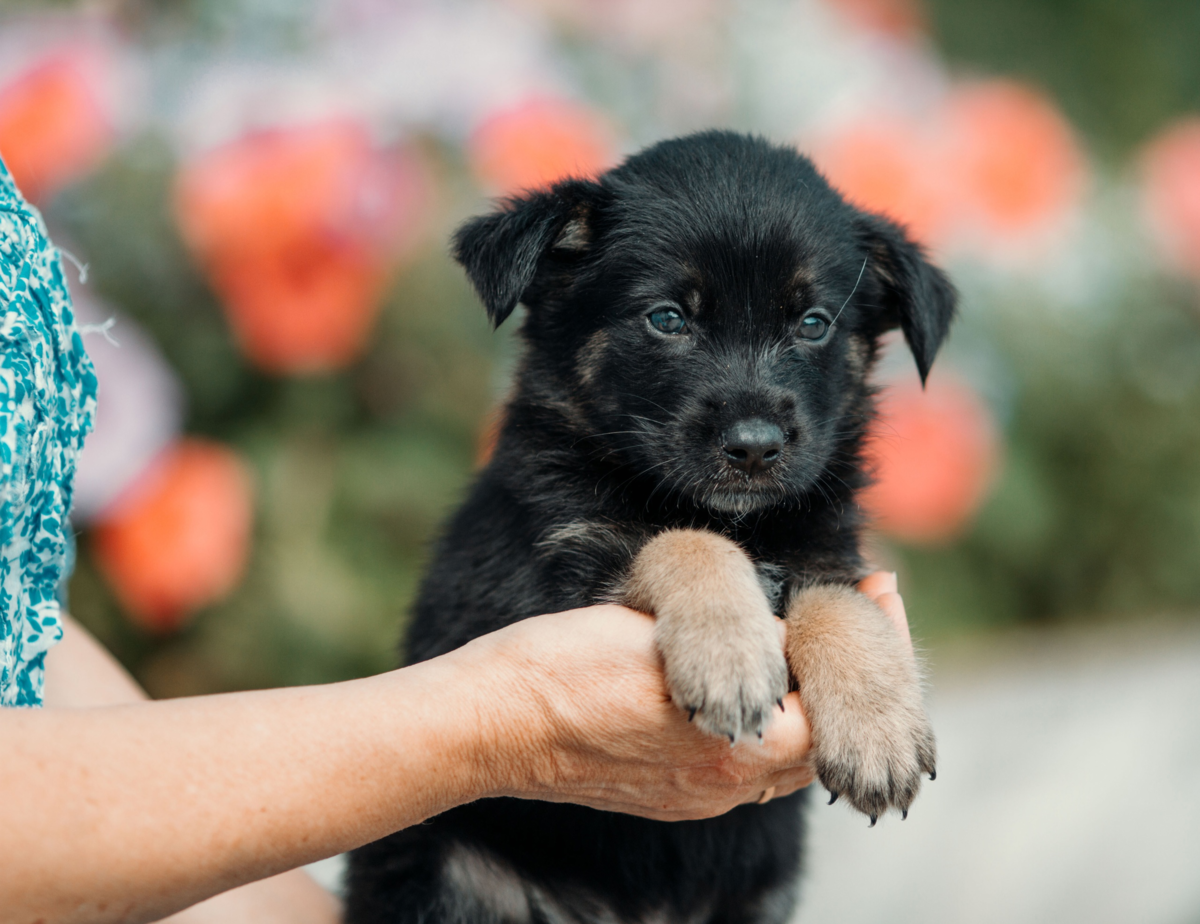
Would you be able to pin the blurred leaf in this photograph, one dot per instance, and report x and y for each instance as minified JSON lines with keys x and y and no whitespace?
{"x":1120,"y":68}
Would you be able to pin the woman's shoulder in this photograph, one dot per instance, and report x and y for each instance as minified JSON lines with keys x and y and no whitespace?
{"x":47,"y":403}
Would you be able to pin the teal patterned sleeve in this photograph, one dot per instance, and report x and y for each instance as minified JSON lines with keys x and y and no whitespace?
{"x":47,"y":402}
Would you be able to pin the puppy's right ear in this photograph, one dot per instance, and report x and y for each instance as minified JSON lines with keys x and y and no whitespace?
{"x":503,"y":251}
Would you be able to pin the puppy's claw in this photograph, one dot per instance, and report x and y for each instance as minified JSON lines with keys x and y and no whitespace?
{"x":874,"y":818}
{"x":904,"y":814}
{"x":732,"y":739}
{"x":779,"y":702}
{"x":691,"y":713}
{"x":832,"y":798}
{"x":932,"y":775}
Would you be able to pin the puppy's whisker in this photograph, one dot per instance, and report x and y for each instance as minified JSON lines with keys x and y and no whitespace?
{"x":852,"y":416}
{"x":861,"y":270}
{"x":615,"y":433}
{"x":656,"y":404}
{"x":642,"y":473}
{"x":832,"y":474}
{"x":831,"y":499}
{"x":650,"y":420}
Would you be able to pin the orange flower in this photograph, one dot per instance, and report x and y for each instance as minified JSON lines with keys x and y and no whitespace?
{"x":301,"y":310}
{"x":178,"y":540}
{"x":53,"y":125}
{"x":1011,"y":159}
{"x":269,"y":190}
{"x":902,"y":19}
{"x":934,"y":454}
{"x":889,"y":166}
{"x":538,"y":142}
{"x":1171,"y":191}
{"x":997,"y":164}
{"x":299,"y":230}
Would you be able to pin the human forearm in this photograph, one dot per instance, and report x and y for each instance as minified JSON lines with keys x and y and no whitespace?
{"x":129,"y":813}
{"x":80,"y":672}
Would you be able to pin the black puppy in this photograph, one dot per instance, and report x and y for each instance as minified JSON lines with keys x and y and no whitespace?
{"x":684,"y":436}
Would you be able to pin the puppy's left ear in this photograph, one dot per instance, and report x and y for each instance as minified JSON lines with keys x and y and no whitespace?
{"x":504,"y":252}
{"x":917,"y":295}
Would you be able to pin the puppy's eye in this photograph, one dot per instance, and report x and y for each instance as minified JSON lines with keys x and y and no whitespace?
{"x":814,"y":326}
{"x":667,"y":320}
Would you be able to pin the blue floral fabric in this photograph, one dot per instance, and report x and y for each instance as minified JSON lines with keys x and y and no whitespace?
{"x":47,"y":402}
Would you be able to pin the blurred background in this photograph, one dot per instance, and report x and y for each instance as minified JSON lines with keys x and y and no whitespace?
{"x":296,"y":383}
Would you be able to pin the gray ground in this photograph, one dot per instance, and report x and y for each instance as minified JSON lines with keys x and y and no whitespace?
{"x":1068,"y":790}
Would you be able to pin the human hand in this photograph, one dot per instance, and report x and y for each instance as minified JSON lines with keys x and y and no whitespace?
{"x":881,"y":586}
{"x":578,"y":711}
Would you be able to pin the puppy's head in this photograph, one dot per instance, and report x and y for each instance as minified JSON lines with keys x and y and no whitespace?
{"x":709,"y":311}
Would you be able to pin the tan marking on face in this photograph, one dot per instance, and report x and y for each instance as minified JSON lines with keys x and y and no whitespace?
{"x":591,"y":356}
{"x":858,"y":353}
{"x":570,"y":411}
{"x":858,"y":358}
{"x":553,"y":397}
{"x":575,"y":236}
{"x":881,"y":263}
{"x":803,"y":277}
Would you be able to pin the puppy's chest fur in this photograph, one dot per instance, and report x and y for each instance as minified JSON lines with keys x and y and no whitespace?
{"x":578,"y":545}
{"x":600,"y":550}
{"x":547,"y":529}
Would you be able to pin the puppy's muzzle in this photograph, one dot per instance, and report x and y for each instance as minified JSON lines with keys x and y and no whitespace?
{"x":753,"y":445}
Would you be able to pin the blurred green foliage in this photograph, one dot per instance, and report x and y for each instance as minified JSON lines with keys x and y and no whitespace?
{"x":1096,"y":513}
{"x":1120,"y":68}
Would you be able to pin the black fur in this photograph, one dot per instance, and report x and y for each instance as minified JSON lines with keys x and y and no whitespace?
{"x":614,"y":433}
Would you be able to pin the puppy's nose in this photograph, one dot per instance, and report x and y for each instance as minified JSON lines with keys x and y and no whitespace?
{"x":753,"y":445}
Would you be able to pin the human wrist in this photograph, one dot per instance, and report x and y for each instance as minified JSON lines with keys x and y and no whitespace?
{"x":510,"y":707}
{"x":491,"y":727}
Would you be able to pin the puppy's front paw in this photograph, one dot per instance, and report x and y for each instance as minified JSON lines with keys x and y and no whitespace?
{"x":871,"y":740}
{"x":714,"y":627}
{"x":873,"y":760}
{"x":723,"y":663}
